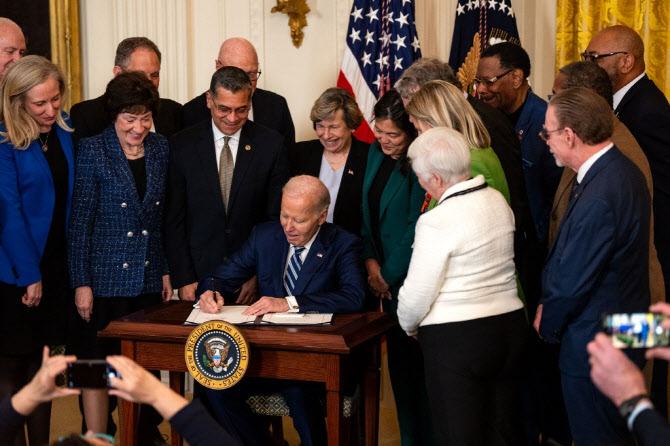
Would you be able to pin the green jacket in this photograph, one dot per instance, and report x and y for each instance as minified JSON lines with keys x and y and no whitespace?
{"x":400,"y":208}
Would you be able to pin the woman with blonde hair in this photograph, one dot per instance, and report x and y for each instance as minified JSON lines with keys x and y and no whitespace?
{"x":36,"y":184}
{"x":440,"y":104}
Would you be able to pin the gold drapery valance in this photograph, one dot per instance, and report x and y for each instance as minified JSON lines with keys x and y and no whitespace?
{"x":64,"y":20}
{"x":578,"y":20}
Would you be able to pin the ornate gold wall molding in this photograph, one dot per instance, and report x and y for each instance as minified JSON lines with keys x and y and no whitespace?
{"x":64,"y":19}
{"x":297,"y":17}
{"x":578,"y":20}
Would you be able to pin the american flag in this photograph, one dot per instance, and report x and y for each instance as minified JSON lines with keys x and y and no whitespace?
{"x":381,"y":43}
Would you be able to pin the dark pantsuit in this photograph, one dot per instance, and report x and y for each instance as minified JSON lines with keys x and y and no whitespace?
{"x":472,"y":376}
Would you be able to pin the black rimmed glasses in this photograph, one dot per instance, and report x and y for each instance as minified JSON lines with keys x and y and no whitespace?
{"x":595,"y":57}
{"x":253,"y":75}
{"x":546,"y":134}
{"x":490,"y":81}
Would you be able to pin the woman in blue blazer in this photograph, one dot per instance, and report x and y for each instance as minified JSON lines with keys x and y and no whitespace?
{"x":115,"y":242}
{"x":36,"y":180}
{"x":392,"y":201}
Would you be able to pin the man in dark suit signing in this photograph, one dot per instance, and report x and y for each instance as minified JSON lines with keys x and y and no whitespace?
{"x":267,"y":108}
{"x":644,"y":109}
{"x":304,"y":265}
{"x":133,"y":54}
{"x":224,"y":176}
{"x":599,"y":261}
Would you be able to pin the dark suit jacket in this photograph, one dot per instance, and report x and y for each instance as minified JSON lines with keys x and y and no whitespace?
{"x":399,"y":210}
{"x":270,"y":110}
{"x":331,"y":279}
{"x":539,"y":165}
{"x":200,"y":234}
{"x":651,"y":429}
{"x":599,"y":262}
{"x":646,"y":112}
{"x":115,"y":240}
{"x":199,"y":428}
{"x":305,"y":159}
{"x":89,"y":118}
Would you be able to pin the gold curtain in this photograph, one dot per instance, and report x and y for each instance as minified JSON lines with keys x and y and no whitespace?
{"x":578,"y":20}
{"x":64,"y":18}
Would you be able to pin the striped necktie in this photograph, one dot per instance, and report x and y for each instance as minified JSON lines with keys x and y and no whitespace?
{"x":226,"y":167}
{"x":292,"y":271}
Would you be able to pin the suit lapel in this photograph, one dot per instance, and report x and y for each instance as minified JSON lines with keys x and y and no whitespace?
{"x":394,"y":182}
{"x":119,"y":164}
{"x":349,"y":176}
{"x":245,"y":155}
{"x":151,"y":162}
{"x":282,"y":253}
{"x":634,"y":90}
{"x":315,"y":258}
{"x":204,"y":148}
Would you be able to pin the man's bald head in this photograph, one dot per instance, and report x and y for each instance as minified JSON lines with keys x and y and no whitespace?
{"x":304,"y":208}
{"x":240,"y":53}
{"x":627,"y":63}
{"x":12,"y":44}
{"x":308,"y":186}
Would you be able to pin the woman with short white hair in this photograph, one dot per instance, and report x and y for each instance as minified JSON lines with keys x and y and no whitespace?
{"x":460,"y":298}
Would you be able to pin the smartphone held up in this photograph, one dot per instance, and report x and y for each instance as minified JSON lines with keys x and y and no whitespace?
{"x":636,"y":330}
{"x":89,"y":374}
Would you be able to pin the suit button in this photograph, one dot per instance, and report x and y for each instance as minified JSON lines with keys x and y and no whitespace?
{"x":158,"y":203}
{"x":125,"y":266}
{"x":520,"y":132}
{"x":124,"y":205}
{"x":146,"y":263}
{"x":145,"y":232}
{"x":130,"y":234}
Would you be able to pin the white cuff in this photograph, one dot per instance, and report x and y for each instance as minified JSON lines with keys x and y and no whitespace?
{"x":643,"y":405}
{"x":293,"y":306}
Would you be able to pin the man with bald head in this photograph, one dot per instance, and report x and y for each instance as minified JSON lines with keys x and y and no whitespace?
{"x":12,"y":44}
{"x":303,"y":264}
{"x":267,"y":108}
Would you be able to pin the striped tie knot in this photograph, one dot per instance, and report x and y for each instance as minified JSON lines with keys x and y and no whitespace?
{"x":294,"y":266}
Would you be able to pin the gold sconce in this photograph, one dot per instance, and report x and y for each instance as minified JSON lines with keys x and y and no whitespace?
{"x":297,"y":11}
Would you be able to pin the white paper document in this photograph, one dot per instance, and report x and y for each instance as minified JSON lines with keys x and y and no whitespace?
{"x":233,"y":315}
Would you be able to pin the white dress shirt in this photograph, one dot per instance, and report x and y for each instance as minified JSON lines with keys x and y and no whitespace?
{"x":293,"y":306}
{"x":219,"y":142}
{"x":618,"y":96}
{"x":581,"y":173}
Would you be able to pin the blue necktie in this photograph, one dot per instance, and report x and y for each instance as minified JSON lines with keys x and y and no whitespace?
{"x":292,"y":271}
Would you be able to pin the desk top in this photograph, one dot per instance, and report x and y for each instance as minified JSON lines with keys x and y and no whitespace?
{"x":163,"y":323}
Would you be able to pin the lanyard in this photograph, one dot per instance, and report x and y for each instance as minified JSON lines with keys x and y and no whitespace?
{"x":463,"y":192}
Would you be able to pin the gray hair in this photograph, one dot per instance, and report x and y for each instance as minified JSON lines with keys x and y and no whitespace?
{"x":307,"y":185}
{"x":442,"y":151}
{"x":422,"y":71}
{"x":230,"y":78}
{"x":128,"y":46}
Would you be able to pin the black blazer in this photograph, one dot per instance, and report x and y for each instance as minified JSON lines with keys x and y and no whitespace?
{"x":199,"y":428}
{"x":270,"y":110}
{"x":200,"y":233}
{"x":305,"y":159}
{"x":90,"y":119}
{"x":651,"y":429}
{"x":646,"y":112}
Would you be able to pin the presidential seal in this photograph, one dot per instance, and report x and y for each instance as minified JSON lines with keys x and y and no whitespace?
{"x":217,"y":355}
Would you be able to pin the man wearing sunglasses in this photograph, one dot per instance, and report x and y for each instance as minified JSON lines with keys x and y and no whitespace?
{"x":644,"y":109}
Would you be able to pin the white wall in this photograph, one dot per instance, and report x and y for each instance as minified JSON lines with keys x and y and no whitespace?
{"x":189,"y":33}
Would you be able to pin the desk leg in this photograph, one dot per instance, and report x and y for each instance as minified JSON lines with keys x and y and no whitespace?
{"x":129,"y":411}
{"x":177,"y":384}
{"x":371,"y":396}
{"x":334,"y":419}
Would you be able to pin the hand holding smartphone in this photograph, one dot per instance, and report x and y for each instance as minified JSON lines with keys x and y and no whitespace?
{"x":636,"y":330}
{"x":89,"y":374}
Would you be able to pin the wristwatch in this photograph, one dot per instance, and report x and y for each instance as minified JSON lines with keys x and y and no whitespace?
{"x":627,"y":407}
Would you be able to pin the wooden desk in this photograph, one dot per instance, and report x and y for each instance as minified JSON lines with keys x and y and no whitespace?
{"x":334,"y":355}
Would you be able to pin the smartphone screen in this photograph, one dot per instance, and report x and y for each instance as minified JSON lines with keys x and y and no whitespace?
{"x":636,"y":330}
{"x":89,"y":374}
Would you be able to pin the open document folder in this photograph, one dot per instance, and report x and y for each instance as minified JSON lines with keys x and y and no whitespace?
{"x":233,"y":314}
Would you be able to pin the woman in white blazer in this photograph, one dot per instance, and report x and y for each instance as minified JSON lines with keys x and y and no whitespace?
{"x":460,"y":298}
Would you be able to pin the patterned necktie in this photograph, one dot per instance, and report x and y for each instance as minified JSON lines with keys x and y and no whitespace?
{"x":294,"y":265}
{"x":226,"y":167}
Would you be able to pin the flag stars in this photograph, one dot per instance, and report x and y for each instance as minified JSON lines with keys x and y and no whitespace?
{"x":469,"y":5}
{"x":510,"y":12}
{"x":460,"y":9}
{"x":372,"y":15}
{"x":503,"y":6}
{"x":385,"y":38}
{"x":369,"y":37}
{"x":402,"y":20}
{"x":415,"y":44}
{"x":366,"y":59}
{"x":399,"y":42}
{"x":492,"y":4}
{"x":378,"y":81}
{"x":397,"y":63}
{"x":357,"y":14}
{"x":354,"y":36}
{"x":382,"y":61}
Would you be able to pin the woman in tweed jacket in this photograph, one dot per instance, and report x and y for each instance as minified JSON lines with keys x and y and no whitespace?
{"x":115,"y":242}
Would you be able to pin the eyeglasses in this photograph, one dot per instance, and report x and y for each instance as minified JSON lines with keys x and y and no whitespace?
{"x":253,"y":75}
{"x":546,"y":134}
{"x":595,"y":57}
{"x":225,"y":111}
{"x":493,"y":80}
